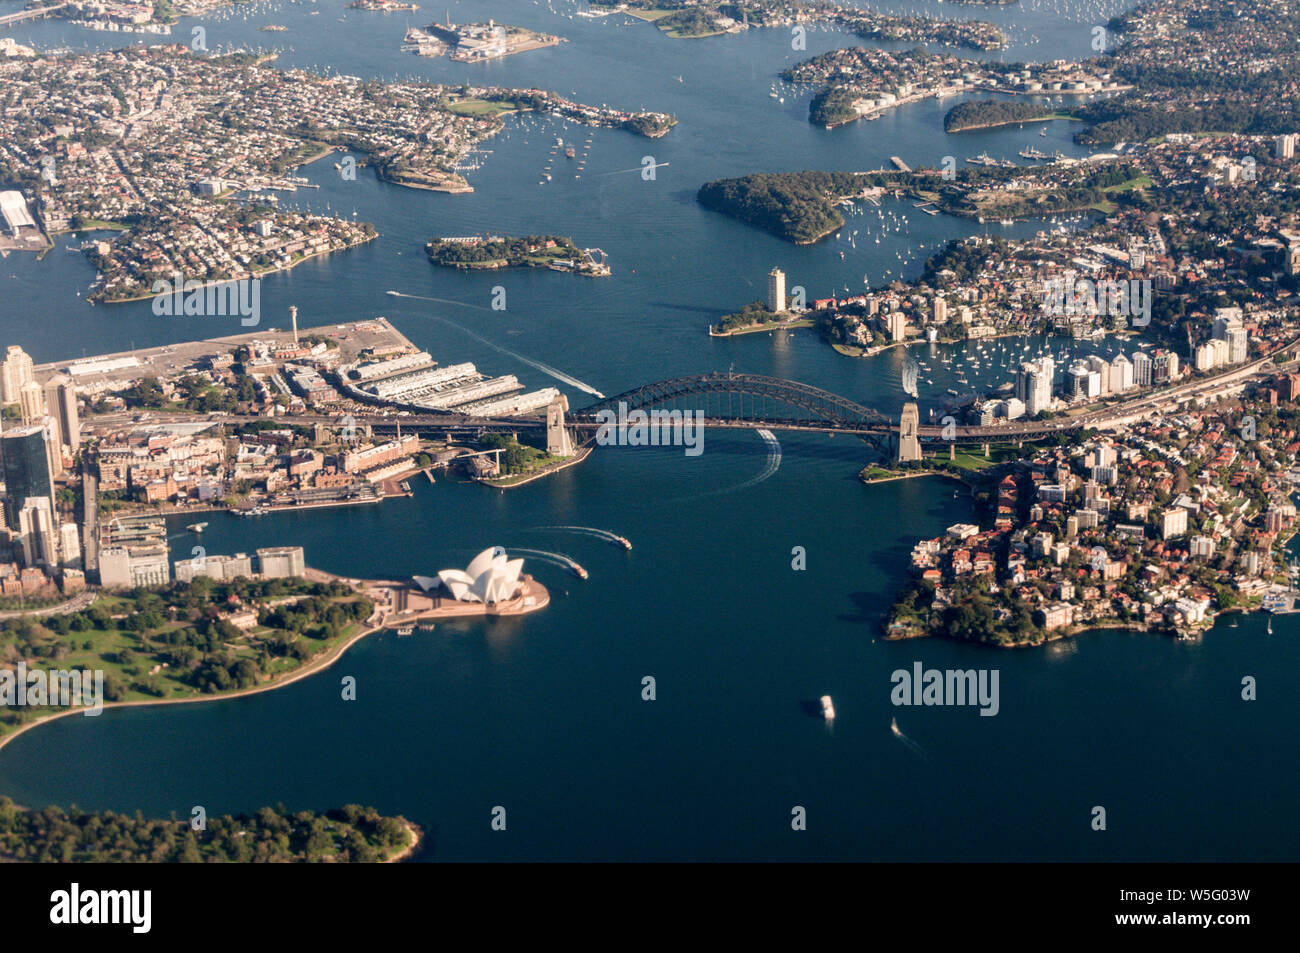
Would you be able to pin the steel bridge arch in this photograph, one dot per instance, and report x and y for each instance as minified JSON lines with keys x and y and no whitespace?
{"x":821,"y":405}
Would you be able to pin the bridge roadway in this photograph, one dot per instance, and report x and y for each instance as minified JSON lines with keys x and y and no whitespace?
{"x":33,"y":14}
{"x":1141,"y":406}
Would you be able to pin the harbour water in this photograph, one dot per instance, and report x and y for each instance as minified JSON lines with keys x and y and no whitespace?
{"x":543,"y":715}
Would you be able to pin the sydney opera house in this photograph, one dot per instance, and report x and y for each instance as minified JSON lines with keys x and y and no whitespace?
{"x":491,"y":577}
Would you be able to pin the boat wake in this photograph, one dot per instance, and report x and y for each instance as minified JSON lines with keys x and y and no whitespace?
{"x":603,"y":534}
{"x":911,"y":745}
{"x":773,"y":461}
{"x":536,"y":365}
{"x":769,"y":468}
{"x":558,"y":559}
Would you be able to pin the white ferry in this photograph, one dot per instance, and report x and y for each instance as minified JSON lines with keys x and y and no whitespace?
{"x":828,"y":710}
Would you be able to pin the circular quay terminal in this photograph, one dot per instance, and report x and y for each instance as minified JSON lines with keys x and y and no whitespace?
{"x":443,"y":441}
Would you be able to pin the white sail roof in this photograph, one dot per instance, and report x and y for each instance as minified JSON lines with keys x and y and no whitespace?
{"x":490,"y":577}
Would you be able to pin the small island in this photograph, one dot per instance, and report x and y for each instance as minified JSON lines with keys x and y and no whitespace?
{"x":479,"y":42}
{"x":384,"y":6}
{"x":530,"y":251}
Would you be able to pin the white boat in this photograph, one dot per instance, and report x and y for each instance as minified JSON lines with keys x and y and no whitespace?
{"x":828,"y":710}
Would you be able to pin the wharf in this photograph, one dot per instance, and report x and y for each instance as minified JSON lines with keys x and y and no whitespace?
{"x":94,"y":372}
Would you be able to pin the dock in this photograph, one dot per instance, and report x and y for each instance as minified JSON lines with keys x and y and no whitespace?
{"x":899,"y":164}
{"x":1280,"y":601}
{"x":100,"y":370}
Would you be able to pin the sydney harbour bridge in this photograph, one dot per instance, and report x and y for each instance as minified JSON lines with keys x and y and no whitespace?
{"x":731,"y":400}
{"x":750,"y":401}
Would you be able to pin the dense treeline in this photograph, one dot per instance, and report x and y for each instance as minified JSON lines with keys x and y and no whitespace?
{"x":833,"y":105}
{"x":351,"y":834}
{"x":515,"y":457}
{"x":753,"y":313}
{"x":688,"y":22}
{"x":797,"y":206}
{"x":513,"y":251}
{"x":645,"y":124}
{"x":193,"y":393}
{"x":991,"y":112}
{"x":1132,"y":118}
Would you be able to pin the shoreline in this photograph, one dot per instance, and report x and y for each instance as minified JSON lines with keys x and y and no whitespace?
{"x":913,"y":476}
{"x":252,"y":276}
{"x":1009,"y":122}
{"x":417,"y":838}
{"x":1058,"y":636}
{"x":792,"y":325}
{"x":578,"y":456}
{"x":311,"y":667}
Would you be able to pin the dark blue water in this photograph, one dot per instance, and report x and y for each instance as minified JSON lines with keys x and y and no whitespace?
{"x":543,"y":715}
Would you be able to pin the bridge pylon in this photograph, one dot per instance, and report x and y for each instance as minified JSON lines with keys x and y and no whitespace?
{"x":558,"y":442}
{"x":909,"y":443}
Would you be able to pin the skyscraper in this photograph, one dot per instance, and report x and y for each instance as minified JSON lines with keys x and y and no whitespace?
{"x":14,"y":373}
{"x":69,"y":546}
{"x":1142,"y":370}
{"x":896,"y":324}
{"x":1237,"y":345}
{"x":1102,"y":367}
{"x":776,"y":290}
{"x":1228,"y":327}
{"x":1034,"y":385}
{"x":31,"y":402}
{"x":1121,"y":374}
{"x":61,"y":404}
{"x":38,"y":536}
{"x":27,"y":469}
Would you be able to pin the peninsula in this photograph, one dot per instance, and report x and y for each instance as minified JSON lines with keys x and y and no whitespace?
{"x":211,"y":637}
{"x":692,"y":19}
{"x":185,"y":156}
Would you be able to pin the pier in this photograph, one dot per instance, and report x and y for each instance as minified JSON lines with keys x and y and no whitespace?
{"x":899,"y":164}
